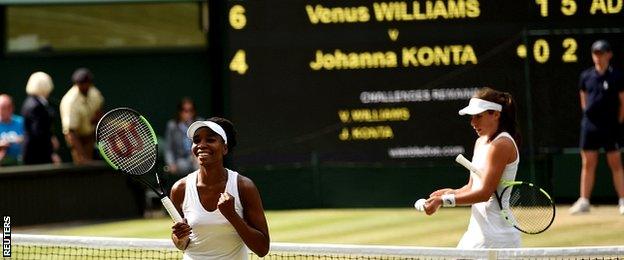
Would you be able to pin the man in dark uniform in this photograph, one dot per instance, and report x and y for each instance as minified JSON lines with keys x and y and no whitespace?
{"x":602,"y":100}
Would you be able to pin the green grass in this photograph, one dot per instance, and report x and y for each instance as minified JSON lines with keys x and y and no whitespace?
{"x":603,"y":226}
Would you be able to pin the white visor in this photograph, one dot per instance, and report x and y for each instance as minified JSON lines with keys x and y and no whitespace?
{"x":212,"y":125}
{"x":478,"y":106}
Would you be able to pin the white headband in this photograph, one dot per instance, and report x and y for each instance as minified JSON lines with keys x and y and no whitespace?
{"x":212,"y":125}
{"x":477,"y":106}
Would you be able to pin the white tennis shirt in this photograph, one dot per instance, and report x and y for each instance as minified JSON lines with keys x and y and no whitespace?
{"x":487,"y":228}
{"x":212,"y":235}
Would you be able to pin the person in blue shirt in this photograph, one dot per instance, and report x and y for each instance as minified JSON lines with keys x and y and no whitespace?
{"x":11,"y":133}
{"x":601,"y":91}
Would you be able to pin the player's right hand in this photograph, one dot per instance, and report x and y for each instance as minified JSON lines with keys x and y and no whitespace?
{"x":181,"y":230}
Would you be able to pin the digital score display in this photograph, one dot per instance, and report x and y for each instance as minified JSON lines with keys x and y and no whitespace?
{"x":381,"y":81}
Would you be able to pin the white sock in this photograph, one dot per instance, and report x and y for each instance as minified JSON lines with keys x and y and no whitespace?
{"x":621,"y":202}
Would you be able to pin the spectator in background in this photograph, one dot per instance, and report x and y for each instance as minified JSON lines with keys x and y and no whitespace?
{"x":81,"y":108}
{"x":40,"y":143}
{"x":178,"y":157}
{"x":11,"y":133}
{"x":602,"y":101}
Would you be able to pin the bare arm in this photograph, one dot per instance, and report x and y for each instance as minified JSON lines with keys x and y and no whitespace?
{"x":501,"y":153}
{"x":583,"y":97}
{"x":441,"y":192}
{"x":465,"y":188}
{"x":253,"y":229}
{"x":497,"y":158}
{"x":180,"y":231}
{"x":74,"y":142}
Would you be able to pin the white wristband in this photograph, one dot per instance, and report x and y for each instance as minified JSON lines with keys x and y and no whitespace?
{"x":448,"y":200}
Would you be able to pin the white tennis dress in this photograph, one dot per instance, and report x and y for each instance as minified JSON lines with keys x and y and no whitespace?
{"x":212,"y":235}
{"x":487,"y":228}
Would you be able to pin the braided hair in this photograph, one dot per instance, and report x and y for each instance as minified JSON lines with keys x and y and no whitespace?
{"x":228,"y":127}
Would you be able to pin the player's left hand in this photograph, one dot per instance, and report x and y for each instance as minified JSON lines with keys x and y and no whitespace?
{"x":441,"y":192}
{"x":226,"y":205}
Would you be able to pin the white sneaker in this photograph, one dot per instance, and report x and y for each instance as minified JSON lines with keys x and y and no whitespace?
{"x":581,"y":206}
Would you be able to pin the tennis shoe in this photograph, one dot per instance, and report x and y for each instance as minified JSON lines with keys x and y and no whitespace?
{"x":580,"y":206}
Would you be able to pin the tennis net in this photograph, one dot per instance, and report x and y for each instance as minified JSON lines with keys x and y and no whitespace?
{"x":71,"y":247}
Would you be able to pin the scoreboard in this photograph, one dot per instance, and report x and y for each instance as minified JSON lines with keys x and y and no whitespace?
{"x":362,"y":81}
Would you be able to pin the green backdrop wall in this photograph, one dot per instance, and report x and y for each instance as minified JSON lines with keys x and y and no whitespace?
{"x":335,"y":186}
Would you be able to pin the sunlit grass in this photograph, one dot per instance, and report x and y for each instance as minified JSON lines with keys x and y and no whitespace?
{"x":603,"y":226}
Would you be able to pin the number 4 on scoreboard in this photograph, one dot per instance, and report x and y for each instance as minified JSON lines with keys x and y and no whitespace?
{"x":239,"y":63}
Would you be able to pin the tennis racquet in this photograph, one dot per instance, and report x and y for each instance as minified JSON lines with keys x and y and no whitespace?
{"x":525,"y":206}
{"x":127,"y":142}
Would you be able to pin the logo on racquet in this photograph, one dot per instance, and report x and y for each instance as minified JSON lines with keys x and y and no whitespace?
{"x":128,"y":143}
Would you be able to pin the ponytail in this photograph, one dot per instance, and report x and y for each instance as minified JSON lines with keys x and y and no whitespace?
{"x":507,"y":122}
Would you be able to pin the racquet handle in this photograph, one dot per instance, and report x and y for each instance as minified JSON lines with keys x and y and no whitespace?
{"x":173,"y":212}
{"x":467,"y":164}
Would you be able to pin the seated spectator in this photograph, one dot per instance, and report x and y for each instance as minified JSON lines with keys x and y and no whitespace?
{"x":11,"y":133}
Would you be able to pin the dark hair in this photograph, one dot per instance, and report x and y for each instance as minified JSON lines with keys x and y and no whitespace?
{"x":82,"y":75}
{"x":507,"y":122}
{"x":180,"y":107}
{"x":228,"y":127}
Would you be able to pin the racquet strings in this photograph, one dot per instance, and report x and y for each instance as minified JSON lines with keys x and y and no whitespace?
{"x":532,"y":210}
{"x":127,"y":141}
